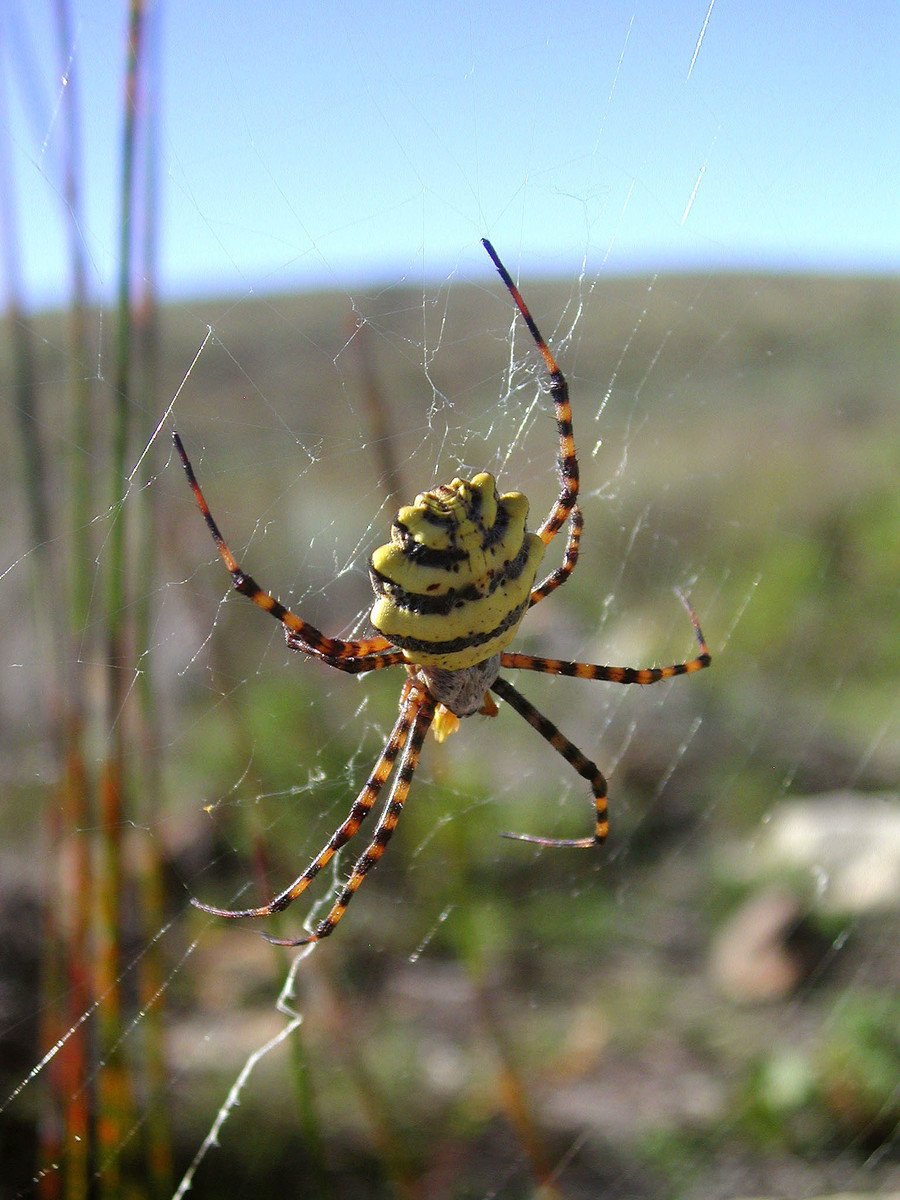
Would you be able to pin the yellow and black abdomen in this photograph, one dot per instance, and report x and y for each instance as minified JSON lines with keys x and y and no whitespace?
{"x":456,"y":577}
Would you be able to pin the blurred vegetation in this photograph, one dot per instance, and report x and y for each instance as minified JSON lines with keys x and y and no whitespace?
{"x":487,"y":1008}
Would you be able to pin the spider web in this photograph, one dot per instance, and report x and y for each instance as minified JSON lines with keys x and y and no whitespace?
{"x":592,"y":1024}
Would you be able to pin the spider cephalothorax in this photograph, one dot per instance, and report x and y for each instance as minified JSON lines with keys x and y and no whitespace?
{"x":452,"y":587}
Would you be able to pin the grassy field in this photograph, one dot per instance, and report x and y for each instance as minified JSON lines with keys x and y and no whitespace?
{"x":491,"y":1015}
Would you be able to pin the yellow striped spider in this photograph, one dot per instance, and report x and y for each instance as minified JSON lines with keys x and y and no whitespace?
{"x":451,"y":588}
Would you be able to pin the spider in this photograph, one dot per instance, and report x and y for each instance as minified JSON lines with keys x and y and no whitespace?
{"x":451,"y":587}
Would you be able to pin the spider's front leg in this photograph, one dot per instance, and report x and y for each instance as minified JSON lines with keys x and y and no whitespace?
{"x":421,"y":707}
{"x":410,"y":705}
{"x":570,"y":752}
{"x":558,"y":740}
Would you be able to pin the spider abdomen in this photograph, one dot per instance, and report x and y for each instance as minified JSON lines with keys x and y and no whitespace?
{"x":455,"y":579}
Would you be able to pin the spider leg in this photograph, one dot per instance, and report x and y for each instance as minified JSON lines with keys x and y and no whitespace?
{"x":353,"y":666}
{"x":409,"y":711}
{"x":301,"y":631}
{"x":642,"y":675}
{"x":583,"y":765}
{"x":422,"y":710}
{"x":562,"y":572}
{"x":567,"y":462}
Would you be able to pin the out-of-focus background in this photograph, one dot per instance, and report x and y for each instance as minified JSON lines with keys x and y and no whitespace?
{"x":260,"y":226}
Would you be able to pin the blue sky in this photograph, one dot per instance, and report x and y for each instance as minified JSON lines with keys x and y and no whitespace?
{"x":311,"y":144}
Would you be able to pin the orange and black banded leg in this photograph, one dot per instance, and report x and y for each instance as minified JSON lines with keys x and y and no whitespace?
{"x":583,"y":765}
{"x":353,"y":666}
{"x":640,"y":675}
{"x":302,"y":632}
{"x":362,"y":806}
{"x":562,"y":572}
{"x":422,"y":707}
{"x":559,"y":390}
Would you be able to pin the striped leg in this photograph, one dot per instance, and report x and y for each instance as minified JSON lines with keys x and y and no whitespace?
{"x":562,"y":573}
{"x":299,"y":632}
{"x":642,"y":675}
{"x":354,"y":666}
{"x":585,"y":768}
{"x":567,"y":462}
{"x":422,"y":707}
{"x":409,"y":712}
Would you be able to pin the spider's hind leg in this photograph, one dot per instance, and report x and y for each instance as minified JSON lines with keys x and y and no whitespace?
{"x":567,"y":459}
{"x":559,"y":576}
{"x":303,"y":634}
{"x":640,"y":675}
